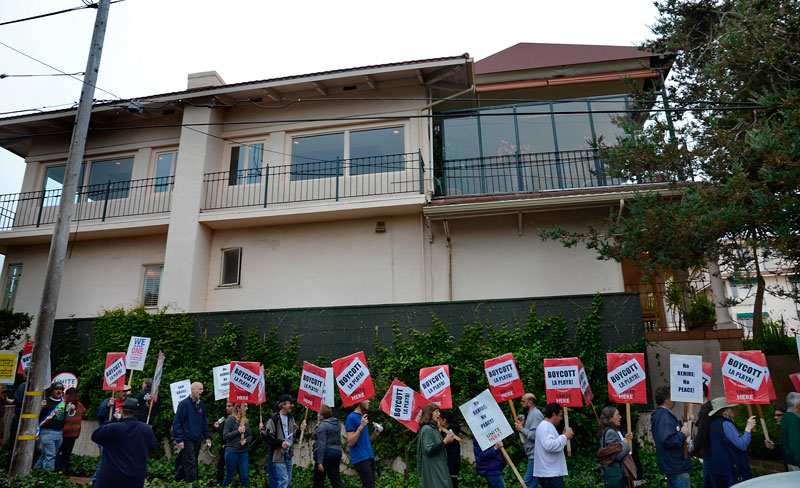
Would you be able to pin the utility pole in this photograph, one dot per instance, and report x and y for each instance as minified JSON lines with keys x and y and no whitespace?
{"x":22,"y":457}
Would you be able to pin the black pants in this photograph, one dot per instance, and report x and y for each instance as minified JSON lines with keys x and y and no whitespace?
{"x":454,"y":480}
{"x":186,"y":462}
{"x":331,"y":466}
{"x":555,"y":482}
{"x":64,"y":453}
{"x":221,"y":466}
{"x":366,"y":472}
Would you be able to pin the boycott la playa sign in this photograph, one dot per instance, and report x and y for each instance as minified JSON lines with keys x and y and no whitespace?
{"x":486,"y":420}
{"x":114,"y":374}
{"x":434,"y":384}
{"x":403,"y":404}
{"x":503,"y":377}
{"x":562,"y":382}
{"x":243,"y":382}
{"x":353,"y":379}
{"x":137,"y":352}
{"x":707,"y":375}
{"x":25,"y":360}
{"x":744,"y":375}
{"x":586,"y":390}
{"x":312,"y":386}
{"x":626,"y":378}
{"x":686,"y":378}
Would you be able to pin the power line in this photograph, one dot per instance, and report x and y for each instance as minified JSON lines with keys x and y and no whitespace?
{"x":4,"y":75}
{"x":85,"y":6}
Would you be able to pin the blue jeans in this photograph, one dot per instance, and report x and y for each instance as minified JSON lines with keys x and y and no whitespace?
{"x":99,"y":463}
{"x":707,"y":474}
{"x":234,"y":460}
{"x":678,"y":480}
{"x":529,"y":479}
{"x":495,"y":481}
{"x":51,"y":443}
{"x":283,"y":473}
{"x":272,"y":477}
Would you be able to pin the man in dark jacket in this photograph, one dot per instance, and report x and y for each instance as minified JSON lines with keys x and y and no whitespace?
{"x":189,"y":428}
{"x":144,"y":403}
{"x":670,"y":438}
{"x":126,"y":444}
{"x":490,"y":464}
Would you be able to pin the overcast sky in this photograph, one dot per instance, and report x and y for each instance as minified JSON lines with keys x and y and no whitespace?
{"x":151,"y":45}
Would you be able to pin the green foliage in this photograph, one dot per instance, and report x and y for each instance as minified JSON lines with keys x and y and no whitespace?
{"x":12,"y":327}
{"x":701,"y":309}
{"x":83,"y":466}
{"x":37,"y":478}
{"x":775,"y":339}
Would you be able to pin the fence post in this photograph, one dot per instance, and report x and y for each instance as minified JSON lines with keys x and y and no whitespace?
{"x":105,"y":203}
{"x":338,"y":166}
{"x":520,"y":181}
{"x":483,"y":177}
{"x":421,"y":173}
{"x":600,"y":168}
{"x":266,"y":183}
{"x":41,"y":207}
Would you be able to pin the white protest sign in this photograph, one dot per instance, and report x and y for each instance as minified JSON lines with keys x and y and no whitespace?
{"x":179,"y":390}
{"x":626,"y":376}
{"x":243,"y":378}
{"x":486,"y":420}
{"x":434,"y":383}
{"x":707,"y":380}
{"x":312,"y":384}
{"x":329,"y":389}
{"x":502,"y":373}
{"x":137,"y":353}
{"x":743,"y":371}
{"x":115,"y":371}
{"x":686,"y":378}
{"x":402,"y":403}
{"x":221,"y":375}
{"x":562,"y":377}
{"x":584,"y":380}
{"x":69,"y":380}
{"x":352,"y":376}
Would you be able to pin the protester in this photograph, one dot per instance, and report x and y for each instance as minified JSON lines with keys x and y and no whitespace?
{"x":613,"y":442}
{"x":281,"y":431}
{"x":51,"y":425}
{"x":730,"y":463}
{"x":532,"y":419}
{"x":449,"y":422}
{"x":702,"y":445}
{"x":72,"y":429}
{"x":237,"y":437}
{"x":490,"y":464}
{"x":126,"y":444}
{"x":189,"y":428}
{"x":144,"y":403}
{"x":551,"y":465}
{"x":109,"y":411}
{"x":431,"y":456}
{"x":669,"y":438}
{"x":790,"y":431}
{"x":218,"y":428}
{"x":327,"y":449}
{"x":360,"y":443}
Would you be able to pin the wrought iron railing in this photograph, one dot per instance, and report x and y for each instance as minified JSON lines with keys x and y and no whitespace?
{"x":664,"y":304}
{"x":92,"y":202}
{"x":314,"y":181}
{"x":524,"y":173}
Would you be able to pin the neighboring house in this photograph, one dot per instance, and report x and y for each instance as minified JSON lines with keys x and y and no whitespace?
{"x":406,"y":182}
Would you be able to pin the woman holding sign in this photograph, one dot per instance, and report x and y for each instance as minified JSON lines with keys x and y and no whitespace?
{"x":431,"y":456}
{"x":610,"y":439}
{"x":237,"y":437}
{"x":327,"y":449}
{"x":730,"y":463}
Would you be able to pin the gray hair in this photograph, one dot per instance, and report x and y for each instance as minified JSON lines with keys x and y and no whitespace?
{"x":793,"y":399}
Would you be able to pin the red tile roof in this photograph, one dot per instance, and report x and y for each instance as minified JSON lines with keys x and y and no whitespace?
{"x":526,"y":55}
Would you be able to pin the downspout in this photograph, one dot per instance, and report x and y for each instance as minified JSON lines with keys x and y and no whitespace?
{"x":449,"y":246}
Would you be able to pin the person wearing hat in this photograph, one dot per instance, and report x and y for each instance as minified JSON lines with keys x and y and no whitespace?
{"x":51,"y":424}
{"x":110,"y":411}
{"x":189,"y":428}
{"x":281,"y":431}
{"x":730,"y":463}
{"x":126,"y":445}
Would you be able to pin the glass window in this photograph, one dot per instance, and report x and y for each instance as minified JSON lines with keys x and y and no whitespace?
{"x":152,"y":285}
{"x":246,"y":161}
{"x":461,"y":138}
{"x":112,"y":178}
{"x":606,"y":124}
{"x":317,"y":156}
{"x":741,"y":290}
{"x":535,"y":127}
{"x":12,"y":283}
{"x":498,"y":135}
{"x":54,"y":183}
{"x":231,"y":266}
{"x":572,"y":127}
{"x":165,"y":168}
{"x":377,"y":151}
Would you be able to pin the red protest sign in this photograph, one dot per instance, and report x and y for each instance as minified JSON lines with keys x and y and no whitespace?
{"x":434,"y":384}
{"x":353,"y":379}
{"x":626,"y":378}
{"x":312,"y":384}
{"x":707,"y":375}
{"x":25,"y":360}
{"x":244,"y":381}
{"x":503,"y":376}
{"x":744,"y":376}
{"x":770,"y":387}
{"x":114,"y":374}
{"x":586,"y":390}
{"x":262,"y":386}
{"x":562,"y":382}
{"x":795,"y":381}
{"x":403,"y":404}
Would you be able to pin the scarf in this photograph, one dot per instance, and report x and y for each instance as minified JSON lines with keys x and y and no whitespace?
{"x":59,"y":408}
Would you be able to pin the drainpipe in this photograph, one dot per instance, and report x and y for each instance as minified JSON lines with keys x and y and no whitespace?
{"x":724,"y":320}
{"x":449,"y":246}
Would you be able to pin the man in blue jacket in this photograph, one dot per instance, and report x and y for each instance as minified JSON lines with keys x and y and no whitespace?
{"x":189,"y":428}
{"x":670,"y":438}
{"x":126,"y":444}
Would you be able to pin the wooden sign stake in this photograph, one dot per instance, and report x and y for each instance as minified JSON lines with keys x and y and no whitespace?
{"x":514,"y":468}
{"x":459,"y":439}
{"x":628,"y":420}
{"x":111,"y":405}
{"x":300,"y":444}
{"x":763,"y":422}
{"x":566,"y":428}
{"x":149,"y":411}
{"x":130,"y":378}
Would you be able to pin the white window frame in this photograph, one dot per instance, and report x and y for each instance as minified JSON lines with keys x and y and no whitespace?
{"x":144,"y":283}
{"x":153,"y":172}
{"x":6,"y":301}
{"x":226,"y":164}
{"x":222,"y":268}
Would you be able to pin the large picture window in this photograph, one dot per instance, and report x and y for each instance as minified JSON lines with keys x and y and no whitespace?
{"x":111,"y":179}
{"x":317,"y":156}
{"x":377,"y":151}
{"x":245,"y":164}
{"x":165,"y":169}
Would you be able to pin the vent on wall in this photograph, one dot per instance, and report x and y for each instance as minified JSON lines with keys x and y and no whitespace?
{"x":350,"y":88}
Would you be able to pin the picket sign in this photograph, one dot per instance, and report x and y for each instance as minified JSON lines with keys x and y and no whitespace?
{"x":243,"y":382}
{"x":25,"y":360}
{"x":504,"y":381}
{"x":114,"y":373}
{"x":179,"y":391}
{"x":69,"y":380}
{"x":744,"y":377}
{"x":221,"y":377}
{"x":772,"y":397}
{"x":353,"y":379}
{"x":488,"y":424}
{"x":707,"y":376}
{"x":156,"y":383}
{"x":434,"y":384}
{"x":686,"y":382}
{"x":8,"y":367}
{"x":137,"y":353}
{"x":626,"y":381}
{"x":312,"y":386}
{"x":403,"y":404}
{"x":330,"y":388}
{"x":795,"y":378}
{"x":562,"y":384}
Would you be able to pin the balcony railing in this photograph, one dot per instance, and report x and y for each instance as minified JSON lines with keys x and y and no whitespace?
{"x":664,"y":304}
{"x":314,"y":181}
{"x":92,"y":202}
{"x":524,"y":173}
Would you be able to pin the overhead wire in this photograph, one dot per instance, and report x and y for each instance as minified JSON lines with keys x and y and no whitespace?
{"x":50,"y":14}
